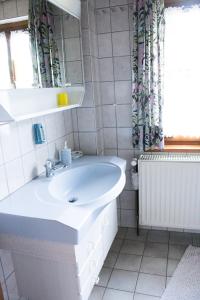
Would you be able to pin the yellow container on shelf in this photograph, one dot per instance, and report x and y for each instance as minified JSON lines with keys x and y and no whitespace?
{"x":62,"y":99}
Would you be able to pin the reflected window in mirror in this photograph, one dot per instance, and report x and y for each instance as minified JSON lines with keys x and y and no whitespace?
{"x":45,"y":53}
{"x":15,"y":58}
{"x":42,"y":49}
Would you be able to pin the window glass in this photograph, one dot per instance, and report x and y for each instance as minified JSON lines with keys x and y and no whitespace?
{"x":5,"y":82}
{"x":21,"y":59}
{"x":182,"y":72}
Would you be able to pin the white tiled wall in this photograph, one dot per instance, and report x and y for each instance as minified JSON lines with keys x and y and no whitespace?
{"x":21,"y":160}
{"x":87,"y":120}
{"x":68,"y":39}
{"x":13,"y":8}
{"x":114,"y":20}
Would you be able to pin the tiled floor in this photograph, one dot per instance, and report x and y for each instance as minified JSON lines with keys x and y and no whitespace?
{"x":139,"y":268}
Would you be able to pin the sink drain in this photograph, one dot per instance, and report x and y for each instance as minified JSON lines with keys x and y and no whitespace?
{"x":72,"y":200}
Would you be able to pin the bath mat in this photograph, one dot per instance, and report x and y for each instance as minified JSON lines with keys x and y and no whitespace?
{"x":185,"y":283}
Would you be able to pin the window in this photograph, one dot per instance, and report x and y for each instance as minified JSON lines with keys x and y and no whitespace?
{"x":182,"y":78}
{"x":15,"y":56}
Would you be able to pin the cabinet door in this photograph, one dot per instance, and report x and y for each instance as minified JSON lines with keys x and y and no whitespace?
{"x":91,"y":271}
{"x":109,"y":226}
{"x":88,"y":244}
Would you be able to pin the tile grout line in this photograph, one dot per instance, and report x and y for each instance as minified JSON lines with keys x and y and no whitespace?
{"x":140,"y":264}
{"x":167,"y":260}
{"x":113,"y":268}
{"x":125,"y":238}
{"x":4,"y":279}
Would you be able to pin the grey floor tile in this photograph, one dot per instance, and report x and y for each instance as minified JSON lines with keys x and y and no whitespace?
{"x":5,"y":290}
{"x":171,"y":266}
{"x":153,"y":265}
{"x":176,"y":251}
{"x":144,"y":297}
{"x":121,"y":232}
{"x":104,"y":276}
{"x":1,"y":272}
{"x":133,"y":247}
{"x":128,"y":262}
{"x":132,"y":235}
{"x":97,"y":293}
{"x":110,"y":259}
{"x":181,"y":238}
{"x":168,"y":280}
{"x":117,"y":295}
{"x":116,"y":245}
{"x":153,"y":285}
{"x":7,"y":262}
{"x":158,"y":236}
{"x":196,"y":240}
{"x":11,"y":285}
{"x":123,"y":280}
{"x":156,"y":250}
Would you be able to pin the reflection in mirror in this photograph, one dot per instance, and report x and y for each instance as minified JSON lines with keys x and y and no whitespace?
{"x":56,"y":45}
{"x":46,"y":64}
{"x":42,"y":51}
{"x":15,"y":60}
{"x":68,"y":39}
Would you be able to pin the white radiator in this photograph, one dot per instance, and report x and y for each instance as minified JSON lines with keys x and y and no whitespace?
{"x":169,"y":190}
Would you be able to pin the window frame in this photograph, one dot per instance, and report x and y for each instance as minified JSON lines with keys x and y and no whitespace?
{"x":182,"y":143}
{"x":12,"y":26}
{"x":177,"y":3}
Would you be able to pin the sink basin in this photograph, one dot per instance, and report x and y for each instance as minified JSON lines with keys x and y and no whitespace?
{"x":81,"y":185}
{"x":64,"y":207}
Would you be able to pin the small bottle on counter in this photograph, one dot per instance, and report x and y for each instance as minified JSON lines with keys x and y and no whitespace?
{"x":66,"y":155}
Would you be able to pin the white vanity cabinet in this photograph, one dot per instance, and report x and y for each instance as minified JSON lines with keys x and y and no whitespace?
{"x":50,"y":270}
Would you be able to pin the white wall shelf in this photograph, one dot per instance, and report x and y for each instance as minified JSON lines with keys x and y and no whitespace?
{"x":22,"y":104}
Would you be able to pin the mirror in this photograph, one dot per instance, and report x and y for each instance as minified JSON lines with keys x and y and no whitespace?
{"x":51,"y":55}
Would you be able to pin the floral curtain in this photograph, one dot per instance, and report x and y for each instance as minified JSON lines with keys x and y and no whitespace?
{"x":45,"y":57}
{"x":148,"y":19}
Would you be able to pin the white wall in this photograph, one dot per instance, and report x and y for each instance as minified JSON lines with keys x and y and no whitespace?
{"x":114,"y":29}
{"x":87,"y":120}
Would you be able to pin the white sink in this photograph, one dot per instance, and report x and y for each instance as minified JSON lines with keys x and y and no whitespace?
{"x":63,"y":208}
{"x":86,"y":184}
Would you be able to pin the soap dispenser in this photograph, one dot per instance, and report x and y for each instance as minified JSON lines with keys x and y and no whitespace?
{"x":66,"y":155}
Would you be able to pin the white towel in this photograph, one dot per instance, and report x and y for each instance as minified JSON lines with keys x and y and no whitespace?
{"x":185,"y":283}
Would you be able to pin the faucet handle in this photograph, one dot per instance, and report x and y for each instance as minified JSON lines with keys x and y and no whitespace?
{"x":50,"y":163}
{"x":49,"y":166}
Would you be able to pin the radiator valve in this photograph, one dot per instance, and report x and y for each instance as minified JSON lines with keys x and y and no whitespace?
{"x":134,"y":174}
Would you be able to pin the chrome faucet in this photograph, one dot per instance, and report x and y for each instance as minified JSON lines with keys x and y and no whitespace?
{"x":50,"y":167}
